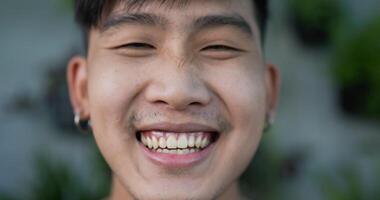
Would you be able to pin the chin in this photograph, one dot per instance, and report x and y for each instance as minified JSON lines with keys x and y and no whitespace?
{"x":174,"y":194}
{"x":177,"y":190}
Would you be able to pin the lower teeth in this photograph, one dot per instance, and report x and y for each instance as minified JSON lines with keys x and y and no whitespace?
{"x":177,"y":151}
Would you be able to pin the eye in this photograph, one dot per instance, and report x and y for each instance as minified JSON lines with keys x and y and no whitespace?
{"x":135,"y":49}
{"x":220,"y":48}
{"x":137,"y":46}
{"x":220,"y":52}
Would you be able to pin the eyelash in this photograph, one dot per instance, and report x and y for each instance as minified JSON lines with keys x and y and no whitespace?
{"x":137,"y":45}
{"x":141,"y":45}
{"x":220,"y":48}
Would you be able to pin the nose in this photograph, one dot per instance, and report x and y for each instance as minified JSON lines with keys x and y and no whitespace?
{"x":178,"y":89}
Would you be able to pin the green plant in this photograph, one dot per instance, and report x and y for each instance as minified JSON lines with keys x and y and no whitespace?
{"x":347,"y":183}
{"x":316,"y":20}
{"x":269,"y":170}
{"x":56,"y":180}
{"x":357,"y":70}
{"x":262,"y":177}
{"x":6,"y":197}
{"x":347,"y":187}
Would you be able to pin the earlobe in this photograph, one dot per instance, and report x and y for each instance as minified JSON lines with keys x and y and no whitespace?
{"x":77,"y":85}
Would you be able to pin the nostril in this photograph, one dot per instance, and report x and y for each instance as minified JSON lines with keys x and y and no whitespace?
{"x":177,"y":95}
{"x":177,"y":104}
{"x":195,"y":104}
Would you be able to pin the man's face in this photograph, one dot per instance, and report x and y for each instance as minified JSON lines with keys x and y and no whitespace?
{"x":177,"y":95}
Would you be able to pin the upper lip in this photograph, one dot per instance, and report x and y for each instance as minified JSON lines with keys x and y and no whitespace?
{"x":177,"y":128}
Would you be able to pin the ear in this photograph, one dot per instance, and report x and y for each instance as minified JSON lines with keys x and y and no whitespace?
{"x":273,"y":89}
{"x":77,"y":83}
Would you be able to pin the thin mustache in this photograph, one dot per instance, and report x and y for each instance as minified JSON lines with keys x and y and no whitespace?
{"x":217,"y":120}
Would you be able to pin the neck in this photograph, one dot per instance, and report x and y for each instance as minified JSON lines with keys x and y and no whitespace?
{"x":232,"y":192}
{"x":118,"y":192}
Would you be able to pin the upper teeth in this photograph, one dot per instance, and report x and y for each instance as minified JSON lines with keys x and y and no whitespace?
{"x":159,"y":140}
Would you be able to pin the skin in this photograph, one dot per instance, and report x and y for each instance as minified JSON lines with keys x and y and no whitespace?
{"x":177,"y":75}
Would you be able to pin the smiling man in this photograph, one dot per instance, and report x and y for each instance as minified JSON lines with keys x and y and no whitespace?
{"x":177,"y":91}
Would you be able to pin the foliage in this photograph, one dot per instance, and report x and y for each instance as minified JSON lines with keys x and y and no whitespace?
{"x":349,"y":189}
{"x":6,"y":197}
{"x":56,"y":180}
{"x":347,"y":184}
{"x":317,"y":12}
{"x":101,"y":172}
{"x":316,"y":20}
{"x":357,"y":65}
{"x":268,"y":171}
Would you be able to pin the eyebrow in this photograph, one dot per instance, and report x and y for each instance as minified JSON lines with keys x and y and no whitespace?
{"x":213,"y":21}
{"x":134,"y":18}
{"x":204,"y":22}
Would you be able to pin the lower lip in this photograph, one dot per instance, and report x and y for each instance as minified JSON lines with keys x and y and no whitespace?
{"x":176,"y":160}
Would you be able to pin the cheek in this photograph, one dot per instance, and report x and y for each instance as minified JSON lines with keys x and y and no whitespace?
{"x":246,"y":99}
{"x":112,"y":88}
{"x":243,"y":93}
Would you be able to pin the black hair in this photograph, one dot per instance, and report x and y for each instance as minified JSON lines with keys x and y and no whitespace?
{"x":88,"y":13}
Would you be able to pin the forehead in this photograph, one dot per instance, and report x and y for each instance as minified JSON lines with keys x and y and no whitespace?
{"x":180,"y":11}
{"x":189,"y":7}
{"x":133,"y":5}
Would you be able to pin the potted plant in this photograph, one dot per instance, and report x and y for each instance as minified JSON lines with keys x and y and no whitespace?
{"x":315,"y":20}
{"x":357,"y":71}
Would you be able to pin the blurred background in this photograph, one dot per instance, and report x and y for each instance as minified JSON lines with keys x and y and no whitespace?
{"x":324,"y":145}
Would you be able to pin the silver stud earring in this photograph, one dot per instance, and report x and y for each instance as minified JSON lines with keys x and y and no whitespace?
{"x":84,"y":125}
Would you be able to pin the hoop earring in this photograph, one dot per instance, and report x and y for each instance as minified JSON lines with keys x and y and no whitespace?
{"x":83,"y":125}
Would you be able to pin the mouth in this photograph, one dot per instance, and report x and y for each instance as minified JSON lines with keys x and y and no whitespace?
{"x":176,"y":143}
{"x":177,"y":147}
